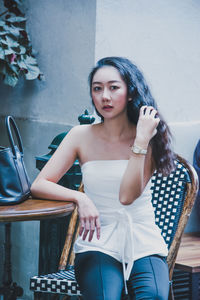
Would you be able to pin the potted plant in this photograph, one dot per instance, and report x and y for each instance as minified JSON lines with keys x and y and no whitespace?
{"x":16,"y":54}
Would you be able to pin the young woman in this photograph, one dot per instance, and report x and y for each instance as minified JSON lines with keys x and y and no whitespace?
{"x":119,"y":246}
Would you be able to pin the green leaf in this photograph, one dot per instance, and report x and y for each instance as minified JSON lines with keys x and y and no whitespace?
{"x":10,"y":68}
{"x":3,"y":39}
{"x":20,"y":25}
{"x":5,"y":27}
{"x":11,"y":42}
{"x":14,"y":68}
{"x":3,"y":33}
{"x":19,"y":2}
{"x":10,"y":75}
{"x":23,"y":41}
{"x":21,"y":64}
{"x":8,"y":51}
{"x":16,"y":19}
{"x":19,"y":50}
{"x":32,"y":68}
{"x":10,"y":80}
{"x":13,"y":30}
{"x":2,"y":23}
{"x":2,"y":67}
{"x":2,"y":53}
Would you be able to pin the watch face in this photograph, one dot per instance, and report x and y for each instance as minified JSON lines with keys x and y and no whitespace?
{"x":137,"y":150}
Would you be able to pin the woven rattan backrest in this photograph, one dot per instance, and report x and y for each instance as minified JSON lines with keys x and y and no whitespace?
{"x":172,"y":198}
{"x":168,"y":196}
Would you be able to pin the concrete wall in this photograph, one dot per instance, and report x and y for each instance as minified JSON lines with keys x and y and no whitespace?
{"x":162,"y":38}
{"x":63,"y":33}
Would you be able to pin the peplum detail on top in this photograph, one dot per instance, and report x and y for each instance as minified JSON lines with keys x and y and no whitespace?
{"x":128,"y":232}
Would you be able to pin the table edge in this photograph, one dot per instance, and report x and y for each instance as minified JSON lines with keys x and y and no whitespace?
{"x":65,"y":210}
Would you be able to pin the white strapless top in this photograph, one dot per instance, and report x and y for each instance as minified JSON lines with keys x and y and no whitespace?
{"x":128,"y":232}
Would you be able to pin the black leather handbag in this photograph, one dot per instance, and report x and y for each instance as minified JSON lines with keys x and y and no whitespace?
{"x":14,"y":181}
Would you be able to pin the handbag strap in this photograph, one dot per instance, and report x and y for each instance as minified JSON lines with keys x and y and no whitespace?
{"x":10,"y":121}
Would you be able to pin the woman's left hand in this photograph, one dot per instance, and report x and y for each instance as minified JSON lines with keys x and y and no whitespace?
{"x":147,"y":124}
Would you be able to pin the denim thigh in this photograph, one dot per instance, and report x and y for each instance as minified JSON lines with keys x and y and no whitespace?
{"x":149,"y":279}
{"x":99,"y":276}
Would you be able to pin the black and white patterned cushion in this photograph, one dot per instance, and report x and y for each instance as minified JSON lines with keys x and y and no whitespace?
{"x":62,"y":282}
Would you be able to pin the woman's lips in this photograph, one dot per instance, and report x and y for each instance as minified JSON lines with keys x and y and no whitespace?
{"x":107,"y":107}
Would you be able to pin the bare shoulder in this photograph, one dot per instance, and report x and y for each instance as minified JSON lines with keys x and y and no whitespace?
{"x":81,"y":134}
{"x":82,"y":131}
{"x":83,"y":138}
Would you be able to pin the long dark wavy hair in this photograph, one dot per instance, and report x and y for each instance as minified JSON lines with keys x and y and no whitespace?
{"x":140,"y":94}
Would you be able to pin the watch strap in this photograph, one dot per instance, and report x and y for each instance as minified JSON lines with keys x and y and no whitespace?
{"x":138,"y":150}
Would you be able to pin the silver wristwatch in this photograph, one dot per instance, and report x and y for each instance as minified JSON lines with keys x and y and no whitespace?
{"x":138,"y":150}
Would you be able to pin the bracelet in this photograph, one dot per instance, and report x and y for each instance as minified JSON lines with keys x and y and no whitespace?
{"x":138,"y":150}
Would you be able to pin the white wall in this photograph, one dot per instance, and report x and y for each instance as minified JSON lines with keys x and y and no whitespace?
{"x":162,"y":38}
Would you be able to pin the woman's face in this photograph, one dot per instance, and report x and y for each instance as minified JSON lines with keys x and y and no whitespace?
{"x":109,"y":92}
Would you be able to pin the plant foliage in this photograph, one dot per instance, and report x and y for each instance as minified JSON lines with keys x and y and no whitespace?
{"x":16,"y":53}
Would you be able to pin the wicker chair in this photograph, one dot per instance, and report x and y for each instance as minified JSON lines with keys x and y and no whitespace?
{"x":172,"y":197}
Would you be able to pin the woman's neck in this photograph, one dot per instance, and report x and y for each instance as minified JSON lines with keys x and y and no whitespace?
{"x":115,"y":130}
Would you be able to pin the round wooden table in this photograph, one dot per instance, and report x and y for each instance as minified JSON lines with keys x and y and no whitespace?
{"x":35,"y":209}
{"x":29,"y":210}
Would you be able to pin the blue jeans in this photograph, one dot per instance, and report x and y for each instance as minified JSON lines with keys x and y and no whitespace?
{"x":100,"y":277}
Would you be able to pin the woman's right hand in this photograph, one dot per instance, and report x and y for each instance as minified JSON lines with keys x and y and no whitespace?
{"x":88,"y":216}
{"x":147,"y":125}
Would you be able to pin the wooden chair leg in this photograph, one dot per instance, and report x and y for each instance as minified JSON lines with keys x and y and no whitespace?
{"x":37,"y":296}
{"x":171,"y":293}
{"x":55,"y":297}
{"x":69,"y":297}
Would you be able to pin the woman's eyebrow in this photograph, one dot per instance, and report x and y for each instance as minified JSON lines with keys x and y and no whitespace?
{"x":111,"y":81}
